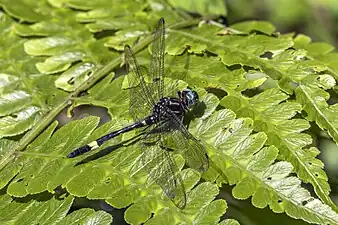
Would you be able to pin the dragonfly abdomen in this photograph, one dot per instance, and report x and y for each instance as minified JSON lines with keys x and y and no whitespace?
{"x":98,"y":142}
{"x":79,"y":151}
{"x":111,"y":135}
{"x":160,"y":112}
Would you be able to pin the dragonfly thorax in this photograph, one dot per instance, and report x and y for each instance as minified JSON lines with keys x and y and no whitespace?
{"x":167,"y":106}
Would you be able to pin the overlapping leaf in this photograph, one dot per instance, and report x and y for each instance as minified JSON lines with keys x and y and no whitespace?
{"x":245,"y":161}
{"x":70,"y":47}
{"x":289,"y":67}
{"x":312,"y":95}
{"x":311,"y":79}
{"x":128,"y":19}
{"x":202,"y":7}
{"x":25,"y":95}
{"x":46,"y":209}
{"x":320,"y":52}
{"x":45,"y":168}
{"x":274,"y":116}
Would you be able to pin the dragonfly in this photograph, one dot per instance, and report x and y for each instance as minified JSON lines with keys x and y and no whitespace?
{"x":162,"y":116}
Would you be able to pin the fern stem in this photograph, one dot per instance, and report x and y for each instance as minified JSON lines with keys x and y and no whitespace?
{"x":46,"y":120}
{"x":41,"y":125}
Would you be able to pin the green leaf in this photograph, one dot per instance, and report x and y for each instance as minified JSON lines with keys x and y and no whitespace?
{"x":109,"y":179}
{"x":8,"y":171}
{"x":199,"y":206}
{"x":23,"y":100}
{"x":319,"y":48}
{"x":47,"y":210}
{"x":229,"y":222}
{"x":65,"y":47}
{"x":321,"y":53}
{"x":313,"y":97}
{"x":21,"y":10}
{"x":301,"y":41}
{"x":19,"y":121}
{"x":242,"y":158}
{"x":87,"y":216}
{"x":274,"y":116}
{"x":202,"y":7}
{"x":249,"y":26}
{"x":35,"y":210}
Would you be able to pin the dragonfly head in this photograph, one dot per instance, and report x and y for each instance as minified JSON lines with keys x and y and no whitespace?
{"x":189,"y":97}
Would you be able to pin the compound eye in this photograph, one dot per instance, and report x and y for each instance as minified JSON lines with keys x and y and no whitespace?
{"x":191,"y":97}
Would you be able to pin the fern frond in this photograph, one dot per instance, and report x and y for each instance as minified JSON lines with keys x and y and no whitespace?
{"x":108,"y":177}
{"x":19,"y":109}
{"x":65,"y":43}
{"x":46,"y":209}
{"x":272,"y":115}
{"x":229,"y":222}
{"x":243,"y":160}
{"x":312,"y":78}
{"x":312,"y":95}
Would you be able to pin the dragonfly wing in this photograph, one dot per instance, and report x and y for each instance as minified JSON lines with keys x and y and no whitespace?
{"x":163,"y":170}
{"x":141,"y":101}
{"x":177,"y":76}
{"x":157,"y":61}
{"x":192,"y":150}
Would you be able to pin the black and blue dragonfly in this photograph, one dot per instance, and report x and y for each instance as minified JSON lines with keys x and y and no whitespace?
{"x":162,"y":116}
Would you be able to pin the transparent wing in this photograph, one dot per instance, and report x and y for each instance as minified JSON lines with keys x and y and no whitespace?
{"x":192,"y":150}
{"x":141,"y":101}
{"x":162,"y":169}
{"x":178,"y":76}
{"x":157,"y":61}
